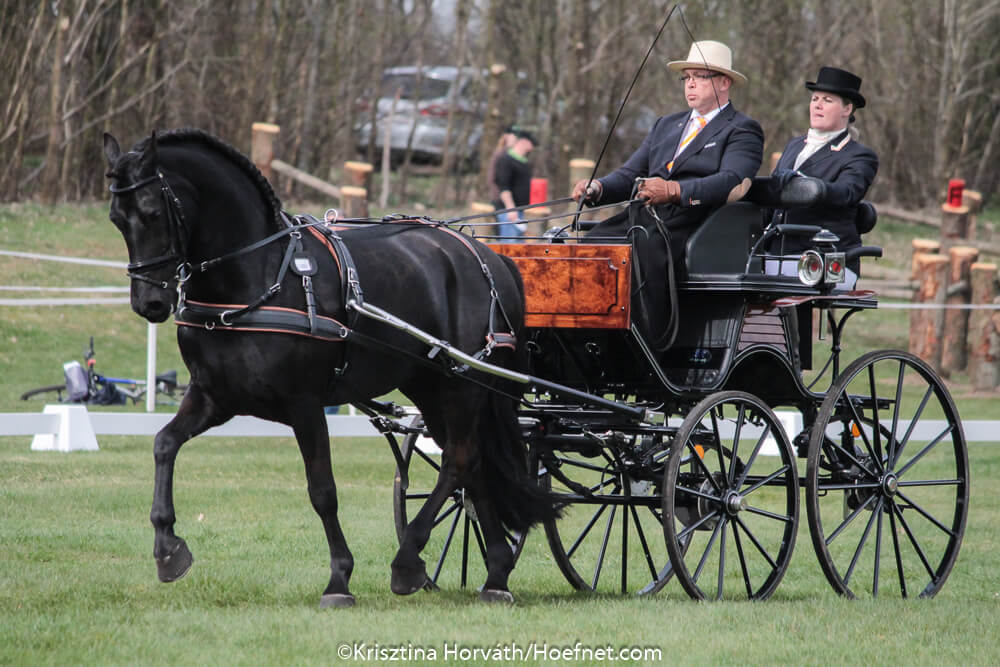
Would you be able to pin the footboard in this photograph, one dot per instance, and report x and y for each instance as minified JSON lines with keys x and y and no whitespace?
{"x":574,"y":286}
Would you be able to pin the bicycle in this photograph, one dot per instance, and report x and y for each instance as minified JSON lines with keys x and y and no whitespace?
{"x":83,"y":384}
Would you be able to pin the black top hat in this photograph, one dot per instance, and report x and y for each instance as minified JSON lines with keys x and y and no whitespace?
{"x":840,"y":82}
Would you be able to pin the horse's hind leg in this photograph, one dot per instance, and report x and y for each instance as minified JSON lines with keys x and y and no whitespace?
{"x":196,"y":414}
{"x":499,"y":557}
{"x":314,"y":444}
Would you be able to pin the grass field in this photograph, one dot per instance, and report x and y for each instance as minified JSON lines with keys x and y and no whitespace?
{"x":78,"y":583}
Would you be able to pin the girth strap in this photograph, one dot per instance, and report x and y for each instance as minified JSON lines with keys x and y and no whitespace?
{"x":272,"y":319}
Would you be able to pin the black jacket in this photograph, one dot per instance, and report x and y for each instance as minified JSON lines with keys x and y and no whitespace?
{"x":848,"y":168}
{"x":726,"y":151}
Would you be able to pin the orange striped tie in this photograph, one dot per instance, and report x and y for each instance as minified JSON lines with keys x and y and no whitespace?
{"x":691,"y":135}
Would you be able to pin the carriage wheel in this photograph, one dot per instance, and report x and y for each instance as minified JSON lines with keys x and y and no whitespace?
{"x":607,"y":537}
{"x":887,"y":479}
{"x":730,"y":499}
{"x":456,"y":543}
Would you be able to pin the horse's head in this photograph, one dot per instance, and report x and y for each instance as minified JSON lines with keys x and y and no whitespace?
{"x":150,"y":217}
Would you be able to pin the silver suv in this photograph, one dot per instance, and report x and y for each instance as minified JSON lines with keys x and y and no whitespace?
{"x":425,"y":112}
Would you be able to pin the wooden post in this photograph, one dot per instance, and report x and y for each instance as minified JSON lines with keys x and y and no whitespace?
{"x":358,"y":174}
{"x":956,"y":321}
{"x":974,"y":200}
{"x":954,"y":225}
{"x":927,"y":325}
{"x":355,"y":201}
{"x":984,"y":332}
{"x":262,"y":146}
{"x":922,"y":247}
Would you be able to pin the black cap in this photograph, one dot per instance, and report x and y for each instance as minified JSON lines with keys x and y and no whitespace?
{"x":522,"y":133}
{"x":840,"y":82}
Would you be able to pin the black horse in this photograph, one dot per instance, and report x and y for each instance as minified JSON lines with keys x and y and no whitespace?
{"x":266,"y":330}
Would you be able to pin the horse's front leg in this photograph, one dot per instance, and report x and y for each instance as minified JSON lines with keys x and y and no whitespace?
{"x":196,"y":413}
{"x":314,"y":444}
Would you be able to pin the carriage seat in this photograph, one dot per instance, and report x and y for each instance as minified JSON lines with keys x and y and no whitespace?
{"x":722,"y":243}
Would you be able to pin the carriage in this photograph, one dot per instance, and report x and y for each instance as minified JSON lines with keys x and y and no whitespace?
{"x":645,"y":460}
{"x":704,"y":483}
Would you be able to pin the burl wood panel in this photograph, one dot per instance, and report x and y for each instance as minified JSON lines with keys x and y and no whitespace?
{"x":573,"y":286}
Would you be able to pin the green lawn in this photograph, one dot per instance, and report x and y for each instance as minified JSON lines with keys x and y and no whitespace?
{"x":78,"y":583}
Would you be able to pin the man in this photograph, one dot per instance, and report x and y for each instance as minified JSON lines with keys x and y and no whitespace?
{"x":691,"y":163}
{"x":512,"y":176}
{"x":504,"y":144}
{"x":827,"y":152}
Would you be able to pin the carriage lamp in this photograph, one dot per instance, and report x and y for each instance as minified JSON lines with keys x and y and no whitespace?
{"x":810,"y":268}
{"x":835,"y":267}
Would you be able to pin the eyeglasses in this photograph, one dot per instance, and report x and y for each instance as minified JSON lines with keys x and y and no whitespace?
{"x":703,"y":77}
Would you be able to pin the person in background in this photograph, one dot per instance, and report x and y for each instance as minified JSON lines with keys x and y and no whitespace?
{"x":504,"y":143}
{"x":828,"y":152}
{"x":512,"y":177}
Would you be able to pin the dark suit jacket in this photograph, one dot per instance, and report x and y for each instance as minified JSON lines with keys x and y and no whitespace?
{"x":848,"y":168}
{"x":726,"y":151}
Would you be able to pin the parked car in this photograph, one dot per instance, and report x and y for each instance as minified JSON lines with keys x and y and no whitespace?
{"x":424,"y":110}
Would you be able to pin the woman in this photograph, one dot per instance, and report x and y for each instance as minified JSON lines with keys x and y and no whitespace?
{"x":827,"y":152}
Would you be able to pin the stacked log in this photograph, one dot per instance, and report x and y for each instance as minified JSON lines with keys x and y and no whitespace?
{"x":927,"y":325}
{"x":984,"y":329}
{"x":956,"y":320}
{"x":954,"y":226}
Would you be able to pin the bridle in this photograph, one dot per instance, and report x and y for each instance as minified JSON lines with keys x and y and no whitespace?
{"x":176,"y":226}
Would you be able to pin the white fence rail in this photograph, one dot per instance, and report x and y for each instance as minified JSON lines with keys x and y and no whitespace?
{"x":73,"y":427}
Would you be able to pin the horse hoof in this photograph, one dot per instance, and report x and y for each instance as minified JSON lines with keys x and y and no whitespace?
{"x":496,"y":595}
{"x":176,"y":564}
{"x":403,"y":583}
{"x":336,"y":600}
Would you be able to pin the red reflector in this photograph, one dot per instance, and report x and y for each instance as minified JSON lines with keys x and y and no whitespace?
{"x":835,"y":267}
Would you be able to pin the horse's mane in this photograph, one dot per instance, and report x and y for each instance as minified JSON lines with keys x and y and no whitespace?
{"x":190,"y":134}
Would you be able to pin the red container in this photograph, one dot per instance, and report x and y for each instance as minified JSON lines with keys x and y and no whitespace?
{"x":539,"y":190}
{"x":955,"y":188}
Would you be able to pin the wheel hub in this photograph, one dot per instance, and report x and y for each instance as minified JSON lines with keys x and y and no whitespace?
{"x":890,"y":485}
{"x":734,"y":503}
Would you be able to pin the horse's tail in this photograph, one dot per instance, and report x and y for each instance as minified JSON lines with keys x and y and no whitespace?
{"x":519,"y":500}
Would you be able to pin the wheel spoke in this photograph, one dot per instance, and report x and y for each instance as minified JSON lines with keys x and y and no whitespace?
{"x":604,"y":547}
{"x":642,"y":540}
{"x":850,"y":518}
{"x":718,"y":438}
{"x":895,"y":548}
{"x":740,"y":417}
{"x":586,"y":530}
{"x":864,"y":436}
{"x":701,"y":464}
{"x":444,"y":515}
{"x":913,"y":424}
{"x":722,"y":560}
{"x":933,"y":443}
{"x":699,"y":494}
{"x":854,"y":459}
{"x":861,"y":544}
{"x":876,"y":430}
{"x":446,"y":548}
{"x":753,"y":456}
{"x":878,"y":550}
{"x":708,"y":550}
{"x":743,"y":560}
{"x":756,"y":543}
{"x":895,"y":414}
{"x":913,"y":541}
{"x":778,"y":473}
{"x":948,"y":531}
{"x":770,"y":515}
{"x":694,"y":526}
{"x":431,"y":462}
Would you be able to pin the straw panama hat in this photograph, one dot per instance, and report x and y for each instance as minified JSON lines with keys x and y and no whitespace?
{"x":707,"y":54}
